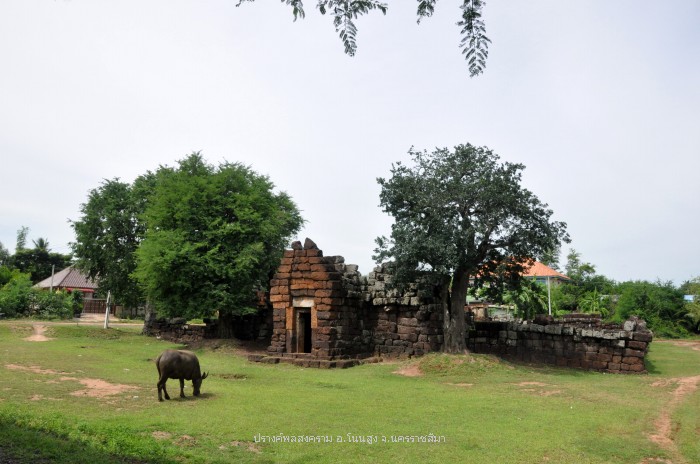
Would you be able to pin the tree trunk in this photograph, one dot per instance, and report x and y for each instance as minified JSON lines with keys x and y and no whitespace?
{"x":454,"y":322}
{"x":148,"y":318}
{"x":226,"y":325}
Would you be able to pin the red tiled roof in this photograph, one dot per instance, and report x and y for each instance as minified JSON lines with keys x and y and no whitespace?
{"x":68,"y":278}
{"x":541,"y":270}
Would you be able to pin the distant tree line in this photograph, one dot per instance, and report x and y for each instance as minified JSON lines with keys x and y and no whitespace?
{"x":19,"y":271}
{"x":661,"y":304}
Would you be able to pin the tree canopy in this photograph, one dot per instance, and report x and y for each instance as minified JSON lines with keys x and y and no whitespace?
{"x":462,"y":215}
{"x":107,"y":235}
{"x":193,"y":239}
{"x":474,"y":43}
{"x":214,"y":235}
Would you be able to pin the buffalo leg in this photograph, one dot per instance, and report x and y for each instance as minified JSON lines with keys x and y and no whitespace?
{"x":182,"y":388}
{"x":161,"y":386}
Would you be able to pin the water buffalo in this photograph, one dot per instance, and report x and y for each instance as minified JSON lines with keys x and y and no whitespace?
{"x":182,"y":365}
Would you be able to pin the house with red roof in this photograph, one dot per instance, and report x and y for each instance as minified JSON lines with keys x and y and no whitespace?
{"x":542,"y":273}
{"x":69,"y":279}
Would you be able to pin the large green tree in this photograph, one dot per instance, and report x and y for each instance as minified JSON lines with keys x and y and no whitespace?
{"x":462,"y":215}
{"x":107,"y":235}
{"x":474,"y":43}
{"x":214,"y":236}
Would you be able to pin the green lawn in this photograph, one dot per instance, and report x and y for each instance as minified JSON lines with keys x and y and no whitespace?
{"x":483,"y":410}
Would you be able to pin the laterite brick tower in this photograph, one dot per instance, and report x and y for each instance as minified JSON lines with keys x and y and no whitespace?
{"x":316,"y":304}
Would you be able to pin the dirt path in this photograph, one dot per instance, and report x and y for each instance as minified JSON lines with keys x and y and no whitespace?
{"x":38,"y":335}
{"x":93,"y":388}
{"x":663,"y":425}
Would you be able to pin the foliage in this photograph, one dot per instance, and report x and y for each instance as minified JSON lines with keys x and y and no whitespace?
{"x":215,"y":235}
{"x":4,"y":255}
{"x":551,"y":257}
{"x":18,"y":298}
{"x":474,"y":43}
{"x":660,"y":304}
{"x":107,"y":236}
{"x":692,"y":287}
{"x":586,"y":291}
{"x":529,"y":299}
{"x":77,"y":301}
{"x":594,"y":302}
{"x":6,"y":275}
{"x":39,"y":262}
{"x":50,"y":305}
{"x":463,"y":215}
{"x":21,"y":238}
{"x":693,"y":315}
{"x":16,"y":295}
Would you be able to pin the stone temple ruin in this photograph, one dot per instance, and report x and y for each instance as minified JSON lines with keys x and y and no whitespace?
{"x":322,"y":312}
{"x":325,"y":314}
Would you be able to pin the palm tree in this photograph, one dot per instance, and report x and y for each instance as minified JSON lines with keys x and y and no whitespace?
{"x":41,"y":244}
{"x":529,"y":299}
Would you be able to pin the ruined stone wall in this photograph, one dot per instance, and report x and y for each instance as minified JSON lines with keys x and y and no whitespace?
{"x":352,"y":316}
{"x":402,"y":324}
{"x":582,"y":344}
{"x":177,"y":330}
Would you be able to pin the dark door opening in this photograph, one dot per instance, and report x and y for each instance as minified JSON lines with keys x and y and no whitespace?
{"x":304,"y":332}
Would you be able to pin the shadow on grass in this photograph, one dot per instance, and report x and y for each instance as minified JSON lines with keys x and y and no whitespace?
{"x":22,"y":445}
{"x":651,"y":366}
{"x":202,"y":396}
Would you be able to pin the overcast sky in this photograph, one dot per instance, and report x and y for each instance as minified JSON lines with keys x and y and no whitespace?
{"x":599,"y":99}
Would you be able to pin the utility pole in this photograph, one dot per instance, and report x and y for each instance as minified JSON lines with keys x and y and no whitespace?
{"x":108,"y":303}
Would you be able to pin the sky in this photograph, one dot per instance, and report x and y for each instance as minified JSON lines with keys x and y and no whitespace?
{"x":599,"y":100}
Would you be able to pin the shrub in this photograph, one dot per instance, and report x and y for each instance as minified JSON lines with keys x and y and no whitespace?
{"x":16,"y":295}
{"x":50,"y":305}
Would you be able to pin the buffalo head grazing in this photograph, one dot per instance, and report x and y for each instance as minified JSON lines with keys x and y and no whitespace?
{"x":197,"y":384}
{"x":182,"y":365}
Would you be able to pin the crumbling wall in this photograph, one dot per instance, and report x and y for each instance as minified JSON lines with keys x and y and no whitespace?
{"x":177,"y":330}
{"x":352,"y":316}
{"x":583,"y":343}
{"x":402,"y":323}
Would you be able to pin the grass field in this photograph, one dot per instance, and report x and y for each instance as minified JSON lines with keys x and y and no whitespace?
{"x":89,"y":395}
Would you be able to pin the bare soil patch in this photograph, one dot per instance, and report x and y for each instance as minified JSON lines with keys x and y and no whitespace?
{"x":539,"y":388}
{"x":38,"y":334}
{"x":158,"y":435}
{"x":33,"y":369}
{"x":532,"y":384}
{"x":463,"y":385}
{"x":247,"y":445}
{"x":663,"y":425}
{"x":692,"y":344}
{"x":412,"y":370}
{"x":94,"y":388}
{"x":185,"y":441}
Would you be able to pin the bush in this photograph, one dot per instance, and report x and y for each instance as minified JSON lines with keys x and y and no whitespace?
{"x":660,"y":304}
{"x":50,"y":305}
{"x":16,"y":296}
